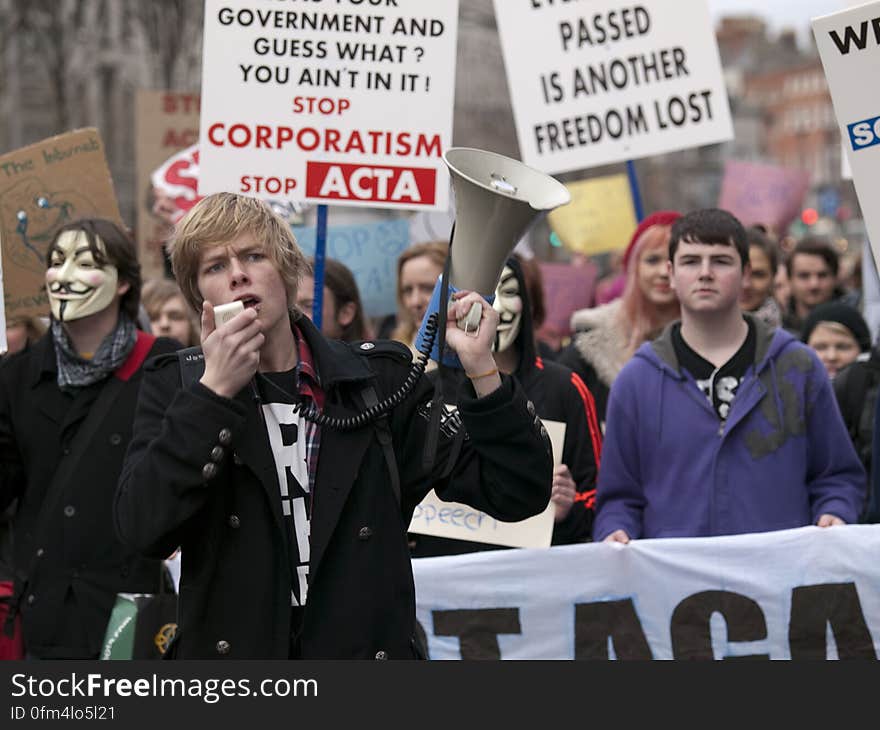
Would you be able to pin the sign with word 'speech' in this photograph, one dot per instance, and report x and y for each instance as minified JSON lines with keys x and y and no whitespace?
{"x":603,"y":81}
{"x":849,"y":46}
{"x":343,"y":102}
{"x":42,"y":187}
{"x":433,"y":516}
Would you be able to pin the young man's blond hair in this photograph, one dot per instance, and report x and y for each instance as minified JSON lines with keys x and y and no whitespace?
{"x":218,"y":219}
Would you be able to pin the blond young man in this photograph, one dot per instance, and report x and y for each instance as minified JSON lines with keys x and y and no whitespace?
{"x":293,"y":532}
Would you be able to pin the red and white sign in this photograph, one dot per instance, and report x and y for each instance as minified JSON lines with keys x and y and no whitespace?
{"x":177,"y":180}
{"x":337,"y":102}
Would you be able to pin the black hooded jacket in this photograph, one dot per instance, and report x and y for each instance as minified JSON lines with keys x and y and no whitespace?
{"x":557,"y":394}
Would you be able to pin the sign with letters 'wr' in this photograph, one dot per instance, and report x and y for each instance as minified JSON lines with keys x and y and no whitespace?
{"x":849,"y":45}
{"x":330,"y":102}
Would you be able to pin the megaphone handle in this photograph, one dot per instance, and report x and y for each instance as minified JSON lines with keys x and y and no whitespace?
{"x":471,"y":321}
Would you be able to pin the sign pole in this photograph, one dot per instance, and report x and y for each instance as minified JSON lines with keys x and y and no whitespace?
{"x":634,"y":189}
{"x":320,"y":249}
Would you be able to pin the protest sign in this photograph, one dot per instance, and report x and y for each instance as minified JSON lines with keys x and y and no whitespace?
{"x":433,"y":516}
{"x":606,"y":81}
{"x":849,"y":46}
{"x":370,"y":251}
{"x":165,"y":123}
{"x":567,"y":288}
{"x":42,"y":187}
{"x":329,"y":102}
{"x":759,"y":193}
{"x":176,"y":183}
{"x":809,"y":593}
{"x":599,"y":218}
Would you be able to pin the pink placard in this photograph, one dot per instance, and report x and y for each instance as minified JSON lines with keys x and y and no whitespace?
{"x":759,"y":193}
{"x":567,"y":288}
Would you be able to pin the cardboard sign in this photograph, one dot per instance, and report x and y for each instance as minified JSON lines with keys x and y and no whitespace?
{"x":599,"y":218}
{"x":42,"y":187}
{"x":567,"y":288}
{"x":849,"y":46}
{"x":768,"y":194}
{"x":371,"y":252}
{"x":165,"y":123}
{"x":608,"y":80}
{"x":435,"y":517}
{"x":337,"y":103}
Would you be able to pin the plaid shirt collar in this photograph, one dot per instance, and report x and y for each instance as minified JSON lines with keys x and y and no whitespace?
{"x":307,"y":383}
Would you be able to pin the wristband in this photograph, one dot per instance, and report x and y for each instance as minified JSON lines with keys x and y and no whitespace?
{"x":482,"y":375}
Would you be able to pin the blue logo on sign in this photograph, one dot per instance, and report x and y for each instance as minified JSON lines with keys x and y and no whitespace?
{"x":864,"y":134}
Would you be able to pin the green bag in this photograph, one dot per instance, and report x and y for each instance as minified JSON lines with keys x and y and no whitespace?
{"x":141,"y":626}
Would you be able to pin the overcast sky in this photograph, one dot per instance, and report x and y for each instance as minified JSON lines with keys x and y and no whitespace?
{"x":780,"y":13}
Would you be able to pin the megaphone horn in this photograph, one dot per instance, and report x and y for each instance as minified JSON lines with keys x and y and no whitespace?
{"x":497,"y":199}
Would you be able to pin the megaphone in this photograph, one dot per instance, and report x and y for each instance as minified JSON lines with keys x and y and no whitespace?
{"x":497,"y":200}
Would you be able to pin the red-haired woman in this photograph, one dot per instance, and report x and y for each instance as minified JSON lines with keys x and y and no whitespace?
{"x":606,"y":337}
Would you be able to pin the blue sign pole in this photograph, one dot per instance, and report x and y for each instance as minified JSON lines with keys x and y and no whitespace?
{"x":320,"y":251}
{"x":634,"y":190}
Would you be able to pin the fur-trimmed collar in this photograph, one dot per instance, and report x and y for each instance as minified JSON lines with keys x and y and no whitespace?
{"x":600,"y":341}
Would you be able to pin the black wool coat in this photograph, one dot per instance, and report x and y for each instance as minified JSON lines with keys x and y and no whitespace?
{"x":235,"y":583}
{"x":69,"y":571}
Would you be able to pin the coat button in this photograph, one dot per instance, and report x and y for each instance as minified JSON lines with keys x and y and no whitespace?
{"x":234,"y":522}
{"x":223,"y":647}
{"x":69,"y":511}
{"x":365,"y":533}
{"x":225,"y":437}
{"x":217,"y":453}
{"x":209,"y":471}
{"x":30,"y":599}
{"x":40,"y":552}
{"x":381,"y":655}
{"x":115,"y":439}
{"x":236,"y":459}
{"x":530,"y":407}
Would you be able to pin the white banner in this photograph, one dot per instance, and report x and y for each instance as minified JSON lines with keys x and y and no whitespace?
{"x":849,"y":45}
{"x":348,"y":103}
{"x":599,"y":81}
{"x":805,"y":593}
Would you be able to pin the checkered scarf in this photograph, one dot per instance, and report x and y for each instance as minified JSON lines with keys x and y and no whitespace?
{"x":75,"y":371}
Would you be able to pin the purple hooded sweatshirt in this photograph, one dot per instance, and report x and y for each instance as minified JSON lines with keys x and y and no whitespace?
{"x":783,"y":457}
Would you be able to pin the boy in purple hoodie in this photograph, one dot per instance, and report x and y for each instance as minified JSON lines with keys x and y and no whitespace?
{"x":721,"y":425}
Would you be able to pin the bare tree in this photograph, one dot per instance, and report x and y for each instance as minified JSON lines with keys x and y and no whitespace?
{"x":171,"y":34}
{"x":59,"y":34}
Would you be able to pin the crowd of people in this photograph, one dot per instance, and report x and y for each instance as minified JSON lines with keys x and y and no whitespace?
{"x":722,"y":384}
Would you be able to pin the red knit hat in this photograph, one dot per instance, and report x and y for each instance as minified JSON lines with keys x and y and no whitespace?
{"x":660,"y":218}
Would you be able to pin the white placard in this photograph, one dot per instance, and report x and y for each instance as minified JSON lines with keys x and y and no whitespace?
{"x":805,"y":593}
{"x":342,"y":102}
{"x":849,"y":46}
{"x":457,"y":521}
{"x":598,"y":81}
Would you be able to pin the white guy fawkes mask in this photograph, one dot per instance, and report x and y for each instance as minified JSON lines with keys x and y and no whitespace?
{"x":508,"y":303}
{"x":77,"y":286}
